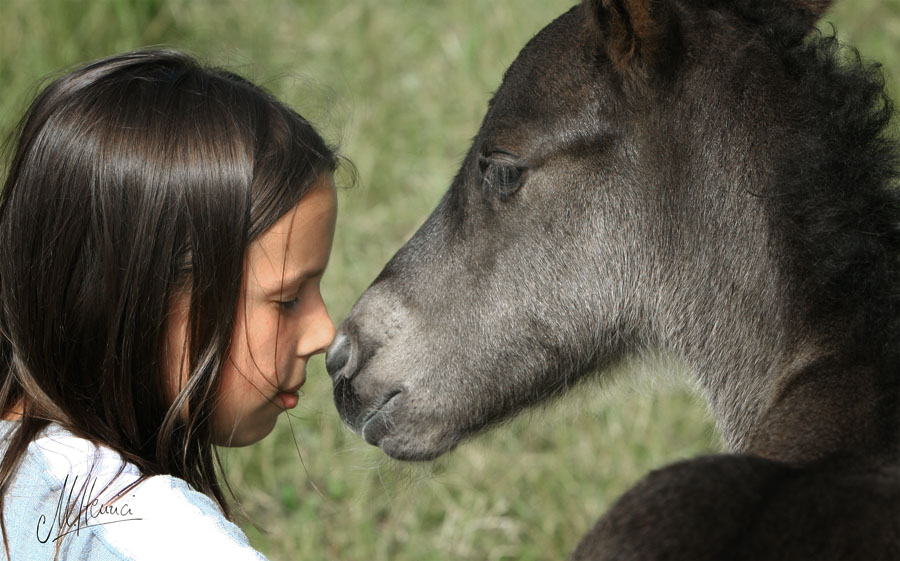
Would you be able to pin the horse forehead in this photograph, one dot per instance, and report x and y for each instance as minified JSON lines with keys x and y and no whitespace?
{"x":552,"y":60}
{"x":552,"y":90}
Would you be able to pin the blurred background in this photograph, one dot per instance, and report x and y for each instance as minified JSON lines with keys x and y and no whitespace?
{"x":400,"y":86}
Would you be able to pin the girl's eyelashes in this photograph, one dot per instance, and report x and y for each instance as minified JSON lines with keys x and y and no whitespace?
{"x":288,"y":305}
{"x":299,"y":291}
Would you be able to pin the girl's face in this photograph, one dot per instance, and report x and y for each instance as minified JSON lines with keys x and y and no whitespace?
{"x":281,"y":320}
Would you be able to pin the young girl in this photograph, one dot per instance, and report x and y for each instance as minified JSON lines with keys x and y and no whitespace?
{"x":163,"y":231}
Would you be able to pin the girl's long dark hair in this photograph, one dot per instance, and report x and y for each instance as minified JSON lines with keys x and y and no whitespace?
{"x":135,"y":179}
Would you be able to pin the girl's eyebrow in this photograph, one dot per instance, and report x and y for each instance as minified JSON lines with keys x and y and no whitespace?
{"x":296,"y":279}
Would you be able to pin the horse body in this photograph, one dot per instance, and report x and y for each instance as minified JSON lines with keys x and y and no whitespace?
{"x":696,"y":177}
{"x":742,"y":507}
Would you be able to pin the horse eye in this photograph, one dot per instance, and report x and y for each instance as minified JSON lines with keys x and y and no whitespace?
{"x":499,"y":176}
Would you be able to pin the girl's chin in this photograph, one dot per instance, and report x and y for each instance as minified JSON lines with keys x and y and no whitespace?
{"x":245,"y":436}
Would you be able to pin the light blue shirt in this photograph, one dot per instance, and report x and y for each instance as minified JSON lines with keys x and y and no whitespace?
{"x":162,"y":518}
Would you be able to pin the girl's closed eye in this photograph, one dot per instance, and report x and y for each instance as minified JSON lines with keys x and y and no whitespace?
{"x":295,"y":292}
{"x":289,"y":305}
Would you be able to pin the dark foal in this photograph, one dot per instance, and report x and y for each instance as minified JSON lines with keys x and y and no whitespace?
{"x":706,"y":178}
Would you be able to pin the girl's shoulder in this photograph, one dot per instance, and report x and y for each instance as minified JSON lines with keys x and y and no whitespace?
{"x":84,"y":497}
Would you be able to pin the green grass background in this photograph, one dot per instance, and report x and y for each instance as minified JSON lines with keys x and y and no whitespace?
{"x":401,"y":85}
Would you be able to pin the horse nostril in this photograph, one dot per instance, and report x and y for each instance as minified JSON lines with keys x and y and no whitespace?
{"x":338,"y":354}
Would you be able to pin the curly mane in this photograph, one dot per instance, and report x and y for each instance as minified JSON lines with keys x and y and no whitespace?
{"x":838,"y":194}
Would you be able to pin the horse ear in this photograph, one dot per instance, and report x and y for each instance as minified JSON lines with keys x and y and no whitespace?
{"x":811,"y":10}
{"x":635,"y":33}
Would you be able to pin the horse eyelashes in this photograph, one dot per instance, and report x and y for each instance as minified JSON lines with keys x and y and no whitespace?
{"x":499,"y":177}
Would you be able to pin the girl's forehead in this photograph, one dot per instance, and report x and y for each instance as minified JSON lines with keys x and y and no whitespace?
{"x":299,"y":242}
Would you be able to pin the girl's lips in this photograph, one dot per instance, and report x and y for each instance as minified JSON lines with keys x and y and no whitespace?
{"x":288,"y":400}
{"x":289,"y":397}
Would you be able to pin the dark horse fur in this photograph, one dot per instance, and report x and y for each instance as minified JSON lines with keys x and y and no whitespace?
{"x":706,"y":178}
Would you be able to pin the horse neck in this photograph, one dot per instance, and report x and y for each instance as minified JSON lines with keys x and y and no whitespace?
{"x":791,"y":333}
{"x":787,"y":394}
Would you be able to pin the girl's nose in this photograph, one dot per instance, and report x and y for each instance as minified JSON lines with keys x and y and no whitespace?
{"x":318,"y":335}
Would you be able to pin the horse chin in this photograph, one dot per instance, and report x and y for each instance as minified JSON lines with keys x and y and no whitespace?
{"x":401,"y":447}
{"x":406,"y":446}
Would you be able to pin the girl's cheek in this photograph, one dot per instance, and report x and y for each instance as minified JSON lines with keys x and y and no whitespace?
{"x":287,"y":340}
